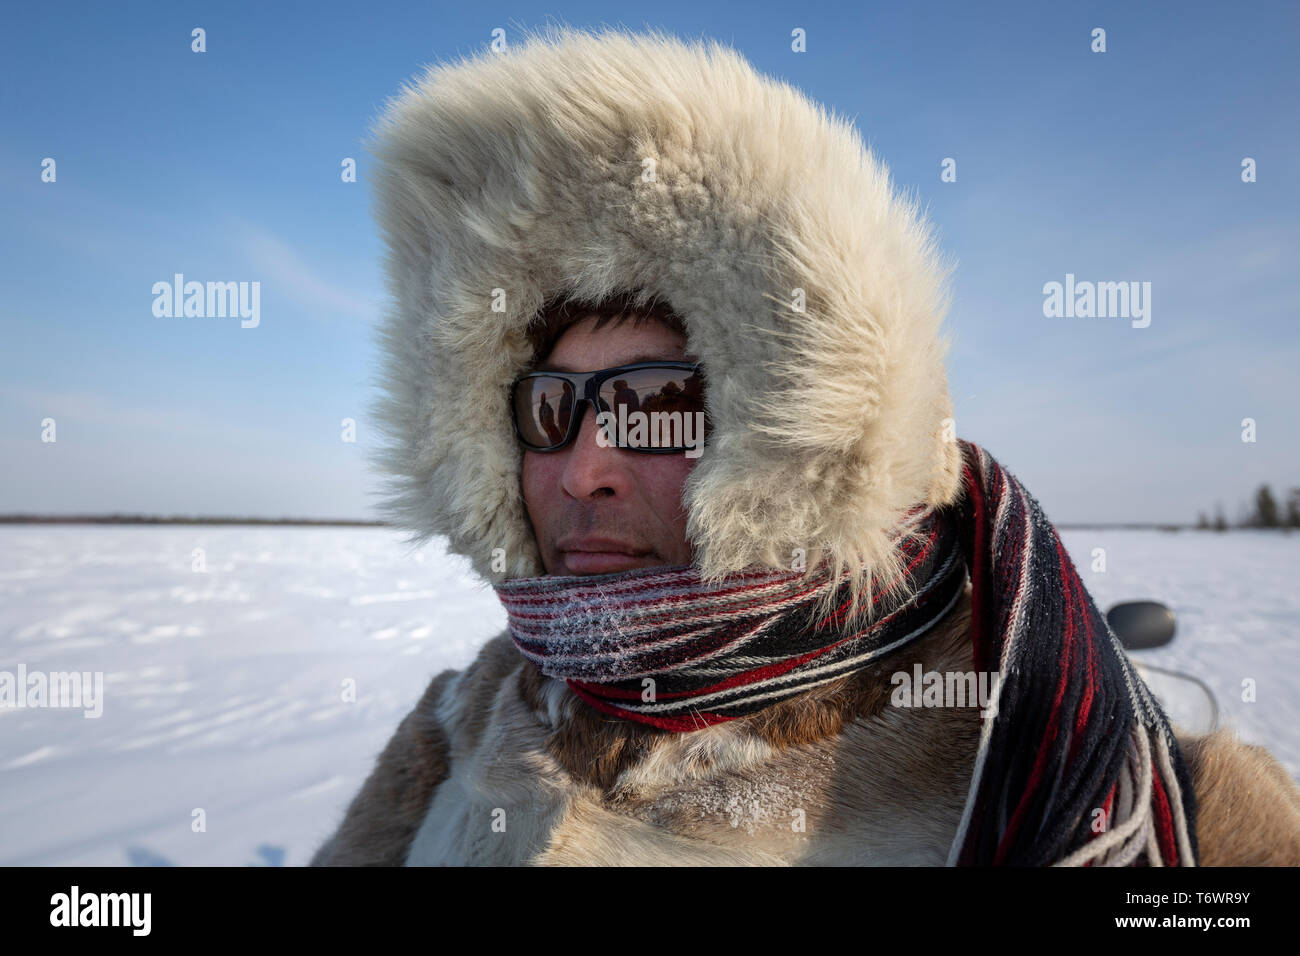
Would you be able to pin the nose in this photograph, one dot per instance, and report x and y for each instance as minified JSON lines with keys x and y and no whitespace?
{"x":589,"y":469}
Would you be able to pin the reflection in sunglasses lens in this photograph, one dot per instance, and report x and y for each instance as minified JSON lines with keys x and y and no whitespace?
{"x":661,"y":399}
{"x":544,"y":406}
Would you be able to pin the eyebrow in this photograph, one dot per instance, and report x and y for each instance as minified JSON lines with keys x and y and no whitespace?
{"x":634,"y":360}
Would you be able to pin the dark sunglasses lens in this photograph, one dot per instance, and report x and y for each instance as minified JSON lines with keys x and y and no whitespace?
{"x":657,"y":394}
{"x":543,"y":407}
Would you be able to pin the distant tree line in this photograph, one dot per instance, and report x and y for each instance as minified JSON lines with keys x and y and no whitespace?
{"x":1267,"y":513}
{"x":181,"y":519}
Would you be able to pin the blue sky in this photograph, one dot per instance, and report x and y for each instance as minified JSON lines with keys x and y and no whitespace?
{"x":1122,"y":166}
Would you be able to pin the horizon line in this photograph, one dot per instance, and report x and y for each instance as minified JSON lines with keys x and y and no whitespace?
{"x":137,"y":518}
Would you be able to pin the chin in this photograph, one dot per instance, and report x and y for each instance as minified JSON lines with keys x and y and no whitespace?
{"x":592,"y":562}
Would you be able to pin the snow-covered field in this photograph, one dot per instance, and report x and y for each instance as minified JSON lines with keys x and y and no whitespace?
{"x":226,"y":690}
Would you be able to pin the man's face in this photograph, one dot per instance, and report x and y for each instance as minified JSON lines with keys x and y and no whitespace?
{"x":596,"y":510}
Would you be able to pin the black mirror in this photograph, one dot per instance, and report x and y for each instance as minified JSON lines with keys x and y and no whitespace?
{"x":1141,"y":624}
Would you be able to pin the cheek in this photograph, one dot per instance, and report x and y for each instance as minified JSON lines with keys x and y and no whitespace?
{"x":531,"y":485}
{"x":539,"y":480}
{"x":667,"y":485}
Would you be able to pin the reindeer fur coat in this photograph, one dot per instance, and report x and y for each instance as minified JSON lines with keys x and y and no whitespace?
{"x":588,"y":164}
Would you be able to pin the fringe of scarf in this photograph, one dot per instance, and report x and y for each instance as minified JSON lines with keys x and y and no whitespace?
{"x":1077,"y":764}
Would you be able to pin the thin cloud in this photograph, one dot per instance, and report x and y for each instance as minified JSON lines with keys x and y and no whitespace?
{"x":289,"y":273}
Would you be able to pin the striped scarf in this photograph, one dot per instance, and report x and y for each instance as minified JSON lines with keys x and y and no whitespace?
{"x":1076,"y":764}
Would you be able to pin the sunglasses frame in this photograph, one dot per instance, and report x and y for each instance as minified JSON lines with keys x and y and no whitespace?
{"x":586,"y":385}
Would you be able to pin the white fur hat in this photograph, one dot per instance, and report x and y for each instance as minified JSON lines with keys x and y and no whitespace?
{"x":811,"y":292}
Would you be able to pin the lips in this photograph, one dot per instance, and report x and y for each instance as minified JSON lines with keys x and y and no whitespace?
{"x":595,"y":555}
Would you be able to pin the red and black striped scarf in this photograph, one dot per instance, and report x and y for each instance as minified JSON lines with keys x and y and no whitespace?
{"x":1077,"y":763}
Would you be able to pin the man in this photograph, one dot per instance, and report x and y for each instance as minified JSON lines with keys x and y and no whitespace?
{"x":727,"y":657}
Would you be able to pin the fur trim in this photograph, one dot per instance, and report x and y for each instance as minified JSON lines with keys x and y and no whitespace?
{"x":519,"y":176}
{"x":1248,"y":811}
{"x":384,"y":816}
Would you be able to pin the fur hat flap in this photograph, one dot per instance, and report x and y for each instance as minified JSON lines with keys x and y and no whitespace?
{"x":591,"y":163}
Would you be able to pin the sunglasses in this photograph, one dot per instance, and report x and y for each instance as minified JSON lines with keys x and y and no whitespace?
{"x":640,"y":401}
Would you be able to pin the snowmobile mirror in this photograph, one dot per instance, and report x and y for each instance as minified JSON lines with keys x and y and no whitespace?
{"x":1141,"y":624}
